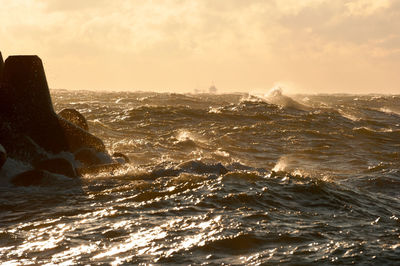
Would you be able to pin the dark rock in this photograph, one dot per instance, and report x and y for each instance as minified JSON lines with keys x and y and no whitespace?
{"x":57,"y":166}
{"x":78,"y":138}
{"x":200,"y":167}
{"x":25,"y":101}
{"x":29,"y":178}
{"x":95,"y":162}
{"x":26,"y":75}
{"x":1,"y":67}
{"x":87,"y":156}
{"x":121,"y":155}
{"x":75,"y":118}
{"x":95,"y":169}
{"x":3,"y":156}
{"x":30,"y":129}
{"x":19,"y":146}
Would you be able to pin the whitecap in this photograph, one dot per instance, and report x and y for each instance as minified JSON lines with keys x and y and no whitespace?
{"x":275,"y":96}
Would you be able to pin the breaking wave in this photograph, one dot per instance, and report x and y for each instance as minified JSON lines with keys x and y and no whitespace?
{"x":234,"y":179}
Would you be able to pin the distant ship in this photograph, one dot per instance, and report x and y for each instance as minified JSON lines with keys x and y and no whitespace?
{"x":212,"y":89}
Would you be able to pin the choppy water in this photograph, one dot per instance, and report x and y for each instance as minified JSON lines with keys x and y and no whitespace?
{"x":234,"y":179}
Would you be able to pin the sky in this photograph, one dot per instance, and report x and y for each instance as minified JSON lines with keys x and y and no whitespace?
{"x":303,"y":46}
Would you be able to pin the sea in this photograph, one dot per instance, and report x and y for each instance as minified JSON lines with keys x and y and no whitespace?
{"x":218,"y":179}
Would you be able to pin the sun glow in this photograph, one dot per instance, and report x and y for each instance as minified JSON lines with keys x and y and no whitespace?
{"x":318,"y":45}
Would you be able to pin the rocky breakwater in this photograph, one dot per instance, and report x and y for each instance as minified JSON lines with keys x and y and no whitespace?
{"x":31,"y":131}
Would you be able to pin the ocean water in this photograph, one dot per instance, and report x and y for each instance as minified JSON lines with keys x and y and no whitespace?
{"x":218,"y":179}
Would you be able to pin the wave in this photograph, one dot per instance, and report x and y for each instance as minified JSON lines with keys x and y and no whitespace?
{"x":276,"y":96}
{"x":376,"y":130}
{"x":391,"y":111}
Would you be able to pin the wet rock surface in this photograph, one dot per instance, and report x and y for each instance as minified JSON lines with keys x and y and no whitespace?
{"x":75,"y":118}
{"x":32,"y":132}
{"x":29,"y":178}
{"x":3,"y":156}
{"x":58,"y":166}
{"x":26,"y":103}
{"x":87,"y":157}
{"x":1,"y":66}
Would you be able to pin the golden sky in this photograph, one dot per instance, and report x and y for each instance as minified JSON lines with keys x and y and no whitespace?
{"x":307,"y":46}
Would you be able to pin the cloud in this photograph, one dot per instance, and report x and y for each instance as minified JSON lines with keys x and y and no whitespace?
{"x":72,"y":5}
{"x":261,"y":41}
{"x":366,"y":7}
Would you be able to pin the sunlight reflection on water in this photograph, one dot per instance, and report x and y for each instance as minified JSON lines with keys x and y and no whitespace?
{"x":231,"y":179}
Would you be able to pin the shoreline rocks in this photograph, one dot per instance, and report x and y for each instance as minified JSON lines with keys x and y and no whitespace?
{"x":25,"y":103}
{"x":78,"y":138}
{"x":74,"y":117}
{"x":29,"y":178}
{"x":1,"y":66}
{"x":3,"y":156}
{"x":31,"y":131}
{"x":57,"y":166}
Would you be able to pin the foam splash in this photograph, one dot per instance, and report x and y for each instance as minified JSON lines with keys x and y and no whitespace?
{"x":281,"y":165}
{"x":293,"y":166}
{"x":289,"y":164}
{"x":276,"y":96}
{"x":184,"y":135}
{"x":275,"y":92}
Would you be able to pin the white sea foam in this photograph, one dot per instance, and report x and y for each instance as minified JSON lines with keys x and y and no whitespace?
{"x":389,"y":110}
{"x":281,"y":165}
{"x":276,"y":96}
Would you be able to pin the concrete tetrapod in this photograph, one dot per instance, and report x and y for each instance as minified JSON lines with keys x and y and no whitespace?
{"x":31,"y":131}
{"x":26,"y":104}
